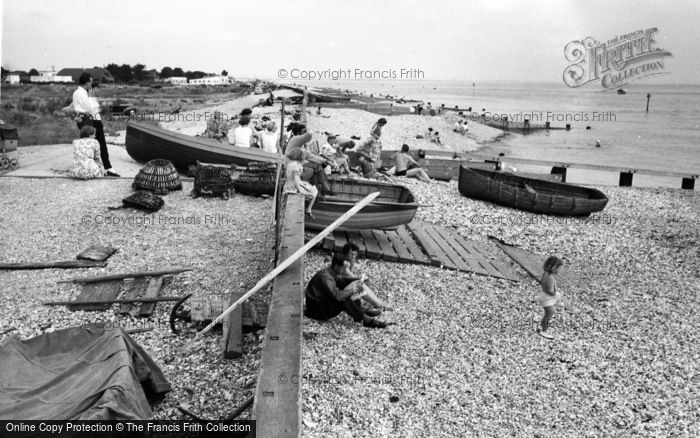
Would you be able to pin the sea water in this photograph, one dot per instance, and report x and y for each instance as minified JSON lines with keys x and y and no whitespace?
{"x":667,"y":138}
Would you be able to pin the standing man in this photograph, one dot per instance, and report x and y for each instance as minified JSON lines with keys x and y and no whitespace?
{"x":88,"y":110}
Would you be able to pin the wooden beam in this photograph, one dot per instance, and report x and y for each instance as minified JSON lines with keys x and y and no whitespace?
{"x":232,"y":340}
{"x":277,"y":406}
{"x":127,"y":275}
{"x":154,"y":285}
{"x":70,"y":264}
{"x":119,"y":301}
{"x":291,"y":259}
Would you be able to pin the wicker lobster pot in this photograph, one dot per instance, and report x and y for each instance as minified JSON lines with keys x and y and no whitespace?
{"x":158,"y":176}
{"x":212,"y":180}
{"x":258,"y":179}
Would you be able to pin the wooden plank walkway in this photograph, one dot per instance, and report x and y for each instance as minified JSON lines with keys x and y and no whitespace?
{"x":277,"y":407}
{"x":532,"y":263}
{"x":427,"y":244}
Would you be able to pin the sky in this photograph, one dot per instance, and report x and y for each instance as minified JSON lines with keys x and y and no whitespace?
{"x":479,"y":40}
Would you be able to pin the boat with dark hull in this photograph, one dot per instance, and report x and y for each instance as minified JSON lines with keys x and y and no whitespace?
{"x":395,"y":206}
{"x":529,"y":194}
{"x":146,"y":142}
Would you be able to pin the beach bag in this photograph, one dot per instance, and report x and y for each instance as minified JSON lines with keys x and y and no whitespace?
{"x":144,"y":200}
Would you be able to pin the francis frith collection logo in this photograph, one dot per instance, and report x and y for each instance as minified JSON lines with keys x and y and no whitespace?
{"x":614,"y":63}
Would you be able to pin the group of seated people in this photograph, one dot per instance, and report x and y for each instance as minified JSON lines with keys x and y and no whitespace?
{"x":262,"y":134}
{"x":341,"y":288}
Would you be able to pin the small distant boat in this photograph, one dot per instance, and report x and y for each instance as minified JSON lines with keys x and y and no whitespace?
{"x":146,"y":142}
{"x":621,"y":91}
{"x":395,"y":206}
{"x":530,"y":194}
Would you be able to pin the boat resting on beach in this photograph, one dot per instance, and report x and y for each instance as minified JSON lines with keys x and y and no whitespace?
{"x":146,"y":142}
{"x":529,"y":194}
{"x":395,"y":206}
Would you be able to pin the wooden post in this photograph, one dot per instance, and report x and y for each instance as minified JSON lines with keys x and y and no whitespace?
{"x":232,"y":339}
{"x":299,"y":253}
{"x":626,"y":179}
{"x":280,"y":146}
{"x":648,"y":97}
{"x":557,"y":170}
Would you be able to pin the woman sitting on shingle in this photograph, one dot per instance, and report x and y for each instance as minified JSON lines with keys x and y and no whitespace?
{"x":87,"y":162}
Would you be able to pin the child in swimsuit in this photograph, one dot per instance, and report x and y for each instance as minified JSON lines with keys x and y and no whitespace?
{"x":549,"y":296}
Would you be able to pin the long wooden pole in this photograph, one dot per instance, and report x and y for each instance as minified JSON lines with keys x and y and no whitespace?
{"x":292,"y":258}
{"x":280,"y":145}
{"x":126,"y":275}
{"x":121,"y":301}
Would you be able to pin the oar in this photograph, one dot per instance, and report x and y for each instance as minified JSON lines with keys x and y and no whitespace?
{"x":292,"y":258}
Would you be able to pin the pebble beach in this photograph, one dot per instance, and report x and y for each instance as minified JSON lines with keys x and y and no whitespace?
{"x":462,"y":358}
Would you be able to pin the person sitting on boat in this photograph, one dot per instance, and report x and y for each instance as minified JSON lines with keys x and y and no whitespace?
{"x":314,"y":164}
{"x":87,"y":161}
{"x":270,"y":138}
{"x":350,"y":252}
{"x":294,"y":184}
{"x":407,"y":166}
{"x":436,"y":138}
{"x":243,"y":135}
{"x":326,"y":300}
{"x":332,"y":152}
{"x":216,"y":127}
{"x":368,"y":157}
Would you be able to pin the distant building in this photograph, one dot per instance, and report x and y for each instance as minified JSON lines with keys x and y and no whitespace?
{"x":176,"y":80}
{"x":101,"y":75}
{"x":12,"y":79}
{"x":50,"y":76}
{"x":210,"y":80}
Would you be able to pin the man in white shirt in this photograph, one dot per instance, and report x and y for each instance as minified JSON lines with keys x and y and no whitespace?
{"x":88,"y":110}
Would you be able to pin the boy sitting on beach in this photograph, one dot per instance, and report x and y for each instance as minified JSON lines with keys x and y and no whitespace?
{"x":326,"y":300}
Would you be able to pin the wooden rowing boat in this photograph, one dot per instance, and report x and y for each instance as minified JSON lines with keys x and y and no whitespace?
{"x":146,"y":142}
{"x":395,"y":206}
{"x":530,"y":194}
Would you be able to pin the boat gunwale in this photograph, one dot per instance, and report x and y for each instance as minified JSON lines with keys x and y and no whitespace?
{"x":201,"y":143}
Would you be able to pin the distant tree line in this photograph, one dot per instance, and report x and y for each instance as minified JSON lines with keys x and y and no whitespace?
{"x":137,"y":73}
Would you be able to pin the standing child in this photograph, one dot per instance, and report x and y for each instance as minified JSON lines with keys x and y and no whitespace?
{"x":294,"y":184}
{"x":549,"y":296}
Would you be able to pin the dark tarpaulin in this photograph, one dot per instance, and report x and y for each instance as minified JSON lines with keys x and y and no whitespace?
{"x":79,"y":373}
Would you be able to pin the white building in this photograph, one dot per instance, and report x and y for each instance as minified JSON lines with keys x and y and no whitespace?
{"x":210,"y":80}
{"x":50,"y":76}
{"x":12,"y":79}
{"x":176,"y":80}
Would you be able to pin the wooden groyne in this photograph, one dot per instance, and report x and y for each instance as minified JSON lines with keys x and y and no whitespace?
{"x":277,"y":406}
{"x":447,"y":163}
